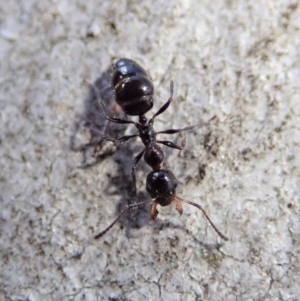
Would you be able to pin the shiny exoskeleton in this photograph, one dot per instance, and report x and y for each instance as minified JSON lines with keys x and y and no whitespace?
{"x":133,"y":91}
{"x":133,"y":87}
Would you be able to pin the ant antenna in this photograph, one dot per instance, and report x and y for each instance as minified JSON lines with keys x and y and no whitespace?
{"x":126,"y":209}
{"x":210,"y":221}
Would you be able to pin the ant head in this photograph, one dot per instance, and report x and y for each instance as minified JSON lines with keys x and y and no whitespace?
{"x":161,"y":185}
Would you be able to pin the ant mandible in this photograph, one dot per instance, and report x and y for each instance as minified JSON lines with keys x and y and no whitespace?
{"x":133,"y":91}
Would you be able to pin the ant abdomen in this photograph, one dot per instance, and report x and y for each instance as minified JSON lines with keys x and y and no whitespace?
{"x":133,"y":87}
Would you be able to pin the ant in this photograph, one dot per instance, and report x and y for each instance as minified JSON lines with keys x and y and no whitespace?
{"x":133,"y":91}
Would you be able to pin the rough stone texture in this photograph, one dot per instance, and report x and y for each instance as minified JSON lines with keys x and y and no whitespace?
{"x":236,"y":60}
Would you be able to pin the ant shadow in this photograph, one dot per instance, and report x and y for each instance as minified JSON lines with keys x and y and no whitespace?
{"x":95,"y":149}
{"x":92,"y":121}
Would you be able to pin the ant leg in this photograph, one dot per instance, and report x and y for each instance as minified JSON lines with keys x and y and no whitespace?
{"x":154,"y":212}
{"x":122,"y":139}
{"x":187,"y":128}
{"x":178,"y":206}
{"x":98,"y":134}
{"x":125,"y":138}
{"x":199,"y":207}
{"x":175,"y":131}
{"x":116,"y":140}
{"x":82,"y":124}
{"x":126,"y":209}
{"x":171,"y":144}
{"x":166,"y":105}
{"x":97,"y":138}
{"x":112,"y":119}
{"x":135,"y":162}
{"x":115,"y":119}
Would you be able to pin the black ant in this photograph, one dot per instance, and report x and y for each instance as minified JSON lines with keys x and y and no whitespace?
{"x":133,"y":91}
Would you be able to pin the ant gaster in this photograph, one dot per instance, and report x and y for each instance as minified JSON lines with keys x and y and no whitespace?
{"x":133,"y":90}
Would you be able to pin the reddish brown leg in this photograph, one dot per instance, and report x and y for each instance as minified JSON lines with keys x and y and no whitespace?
{"x":205,"y":214}
{"x":154,"y":211}
{"x":178,"y":206}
